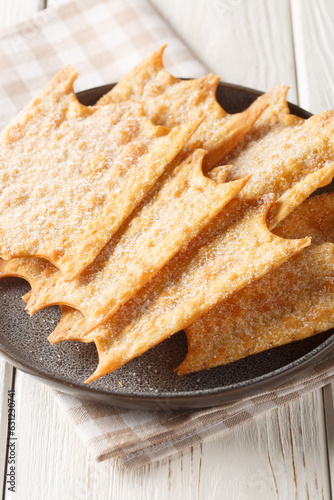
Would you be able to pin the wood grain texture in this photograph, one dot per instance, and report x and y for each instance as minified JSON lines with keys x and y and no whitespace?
{"x":247,"y":42}
{"x":50,"y":460}
{"x":54,"y":3}
{"x":6,"y":379}
{"x":281,"y":455}
{"x":14,"y":11}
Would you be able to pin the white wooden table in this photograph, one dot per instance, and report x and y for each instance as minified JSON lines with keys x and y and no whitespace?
{"x":285,"y":454}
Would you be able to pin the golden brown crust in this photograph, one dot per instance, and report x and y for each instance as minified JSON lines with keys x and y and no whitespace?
{"x":290,"y":303}
{"x":169,"y":101}
{"x":183,"y":206}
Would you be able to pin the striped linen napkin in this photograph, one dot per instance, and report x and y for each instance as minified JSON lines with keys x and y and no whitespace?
{"x":103,"y":40}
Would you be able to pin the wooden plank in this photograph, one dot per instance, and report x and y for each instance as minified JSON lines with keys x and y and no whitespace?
{"x":50,"y":456}
{"x":329,"y":419}
{"x":245,"y":42}
{"x":54,"y":3}
{"x":314,"y":39}
{"x":235,"y":50}
{"x":10,"y":13}
{"x":17,"y":10}
{"x":6,"y":380}
{"x":230,"y":465}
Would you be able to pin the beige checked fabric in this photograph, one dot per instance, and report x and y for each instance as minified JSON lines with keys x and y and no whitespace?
{"x":103,"y":40}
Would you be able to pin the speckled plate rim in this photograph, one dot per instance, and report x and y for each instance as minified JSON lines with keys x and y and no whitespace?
{"x":182,"y":400}
{"x":200,"y":398}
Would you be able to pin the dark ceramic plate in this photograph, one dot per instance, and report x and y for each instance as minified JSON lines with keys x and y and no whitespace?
{"x":148,"y":381}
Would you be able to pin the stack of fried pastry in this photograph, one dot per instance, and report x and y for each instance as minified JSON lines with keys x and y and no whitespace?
{"x":155,"y":211}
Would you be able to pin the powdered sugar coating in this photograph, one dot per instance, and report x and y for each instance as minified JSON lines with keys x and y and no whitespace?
{"x":290,"y":303}
{"x":71,"y":174}
{"x":102,"y":289}
{"x":169,"y":101}
{"x":284,"y":155}
{"x":213,"y":265}
{"x":143,"y":245}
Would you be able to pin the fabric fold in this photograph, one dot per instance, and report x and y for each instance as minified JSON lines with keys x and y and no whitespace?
{"x":103,"y":40}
